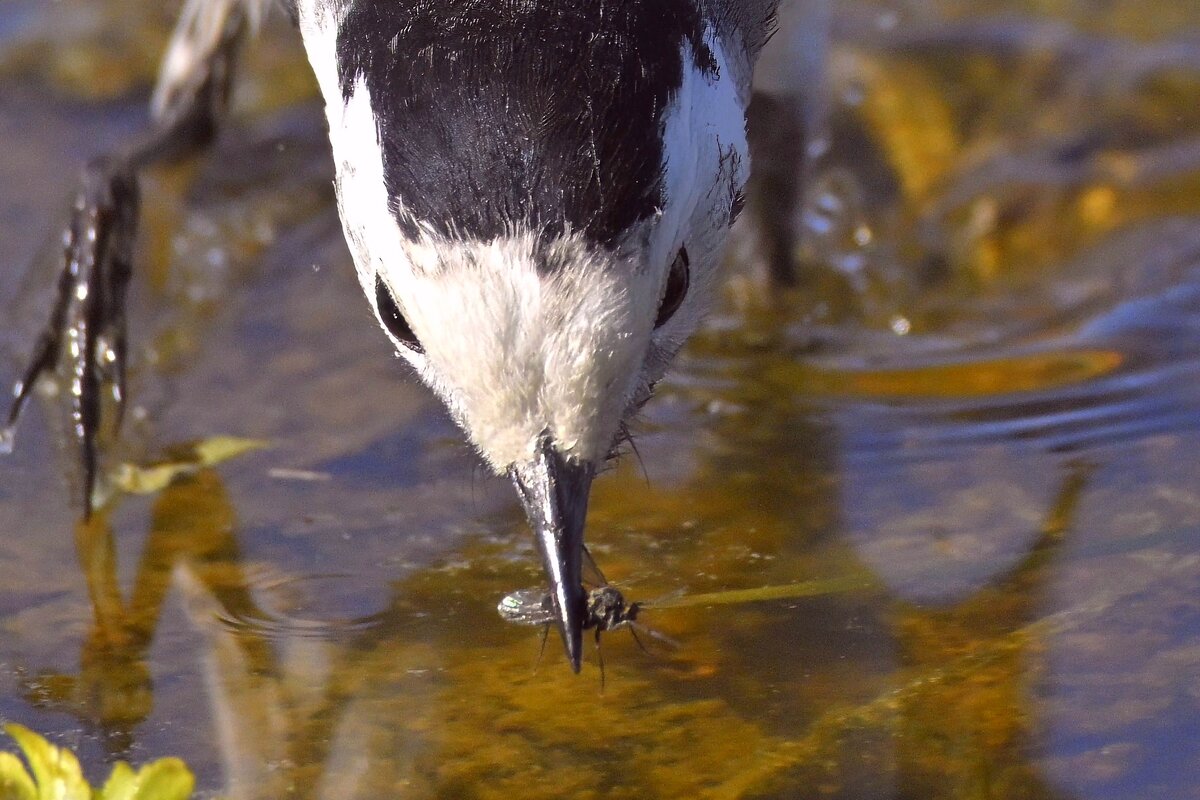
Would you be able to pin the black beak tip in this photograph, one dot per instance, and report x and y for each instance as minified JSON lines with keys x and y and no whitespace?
{"x":575,"y":651}
{"x":554,"y":492}
{"x":572,"y":601}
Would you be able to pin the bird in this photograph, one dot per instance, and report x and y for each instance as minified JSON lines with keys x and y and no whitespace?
{"x":535,"y":195}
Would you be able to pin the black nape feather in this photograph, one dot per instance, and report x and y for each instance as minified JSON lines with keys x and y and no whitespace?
{"x":547,"y":113}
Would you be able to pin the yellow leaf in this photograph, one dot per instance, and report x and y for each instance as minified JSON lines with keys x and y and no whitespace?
{"x":165,"y":779}
{"x":205,"y":453}
{"x":15,"y":783}
{"x":55,"y":770}
{"x":121,"y":783}
{"x":216,"y":449}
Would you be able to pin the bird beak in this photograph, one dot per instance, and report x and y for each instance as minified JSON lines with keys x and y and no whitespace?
{"x":554,"y":492}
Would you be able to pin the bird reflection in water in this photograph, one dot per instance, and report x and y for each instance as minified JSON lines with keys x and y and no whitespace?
{"x":191,"y":527}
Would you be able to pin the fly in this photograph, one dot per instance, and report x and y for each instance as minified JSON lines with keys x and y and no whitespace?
{"x":606,"y":610}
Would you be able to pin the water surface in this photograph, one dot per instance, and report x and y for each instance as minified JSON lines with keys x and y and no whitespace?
{"x":980,"y":406}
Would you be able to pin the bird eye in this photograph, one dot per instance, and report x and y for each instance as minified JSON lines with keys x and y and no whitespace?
{"x":677,"y":286}
{"x":393,"y":320}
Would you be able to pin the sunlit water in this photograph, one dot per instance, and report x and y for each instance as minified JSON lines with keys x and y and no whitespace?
{"x":977,"y":420}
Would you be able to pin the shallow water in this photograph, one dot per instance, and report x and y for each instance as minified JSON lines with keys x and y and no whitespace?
{"x":977,"y":420}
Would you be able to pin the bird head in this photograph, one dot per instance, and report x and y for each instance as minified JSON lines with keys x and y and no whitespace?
{"x":536,"y":196}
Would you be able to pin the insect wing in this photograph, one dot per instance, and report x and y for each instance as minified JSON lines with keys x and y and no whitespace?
{"x":591,"y":570}
{"x":527,"y":607}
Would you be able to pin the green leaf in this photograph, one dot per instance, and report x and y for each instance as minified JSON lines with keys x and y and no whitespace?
{"x":55,"y":770}
{"x":15,"y":783}
{"x":165,"y":779}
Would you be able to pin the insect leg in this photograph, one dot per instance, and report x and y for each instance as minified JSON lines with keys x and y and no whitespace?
{"x":600,"y":658}
{"x":542,"y":648}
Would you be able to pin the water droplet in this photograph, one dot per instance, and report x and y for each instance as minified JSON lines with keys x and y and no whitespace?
{"x":900,"y":325}
{"x":854,"y":94}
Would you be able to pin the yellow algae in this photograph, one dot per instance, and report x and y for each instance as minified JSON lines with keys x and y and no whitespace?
{"x":907,"y":113}
{"x":789,"y":591}
{"x":975,"y":378}
{"x":541,"y":736}
{"x":93,"y":53}
{"x":1097,"y":206}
